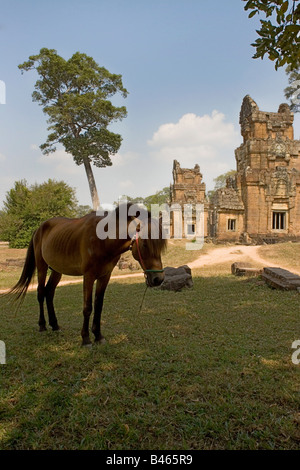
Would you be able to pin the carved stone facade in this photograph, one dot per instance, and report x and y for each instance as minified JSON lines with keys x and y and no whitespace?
{"x":262,"y":202}
{"x":187,"y":189}
{"x":268,"y":173}
{"x":226,"y":213}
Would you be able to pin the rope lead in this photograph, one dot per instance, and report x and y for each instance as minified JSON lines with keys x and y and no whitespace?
{"x":143,"y":299}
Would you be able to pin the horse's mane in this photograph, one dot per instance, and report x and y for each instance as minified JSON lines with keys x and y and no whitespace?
{"x":158,"y":243}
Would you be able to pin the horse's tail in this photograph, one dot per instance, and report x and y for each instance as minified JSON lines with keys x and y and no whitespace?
{"x":20,"y":289}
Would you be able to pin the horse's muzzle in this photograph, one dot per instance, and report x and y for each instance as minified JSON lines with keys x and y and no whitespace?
{"x":154,"y":279}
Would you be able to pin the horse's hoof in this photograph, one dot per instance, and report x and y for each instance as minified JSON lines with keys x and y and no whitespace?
{"x":87,"y":345}
{"x":56,"y":328}
{"x":100,"y":341}
{"x":42,"y":328}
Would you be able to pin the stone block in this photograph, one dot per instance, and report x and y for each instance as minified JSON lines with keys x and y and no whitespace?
{"x":177,"y":278}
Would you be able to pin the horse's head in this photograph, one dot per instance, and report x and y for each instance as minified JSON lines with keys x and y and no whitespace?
{"x":147,"y":251}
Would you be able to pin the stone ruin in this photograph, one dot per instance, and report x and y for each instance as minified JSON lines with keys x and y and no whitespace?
{"x":261,"y":204}
{"x":177,"y":279}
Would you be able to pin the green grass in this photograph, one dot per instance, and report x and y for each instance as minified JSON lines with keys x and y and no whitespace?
{"x":205,"y":368}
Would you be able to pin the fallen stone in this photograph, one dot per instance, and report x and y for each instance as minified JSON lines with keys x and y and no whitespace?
{"x":238,"y":265}
{"x":177,"y":278}
{"x":122,"y":264}
{"x":15,"y":262}
{"x":245,"y":269}
{"x":279,"y":278}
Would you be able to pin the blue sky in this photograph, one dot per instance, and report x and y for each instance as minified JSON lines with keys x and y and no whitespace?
{"x":187,"y":65}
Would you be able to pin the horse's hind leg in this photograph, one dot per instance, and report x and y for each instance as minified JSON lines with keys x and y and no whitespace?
{"x":54,"y":279}
{"x":42,"y":274}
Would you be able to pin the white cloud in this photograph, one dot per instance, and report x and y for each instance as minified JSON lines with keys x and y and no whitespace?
{"x":62,"y":162}
{"x":126,"y":184}
{"x":194,"y":138}
{"x":207,"y":140}
{"x":6,"y":183}
{"x":2,"y":157}
{"x":122,"y":159}
{"x":34,"y":147}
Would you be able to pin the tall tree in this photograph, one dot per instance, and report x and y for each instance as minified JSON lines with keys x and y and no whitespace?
{"x":75,"y":95}
{"x":279,"y":36}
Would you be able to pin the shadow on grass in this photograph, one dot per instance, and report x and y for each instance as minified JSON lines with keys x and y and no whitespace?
{"x":206,"y":368}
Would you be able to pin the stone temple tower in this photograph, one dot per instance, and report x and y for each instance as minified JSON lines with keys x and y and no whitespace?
{"x":187,"y":189}
{"x":268,"y":172}
{"x":188,"y":186}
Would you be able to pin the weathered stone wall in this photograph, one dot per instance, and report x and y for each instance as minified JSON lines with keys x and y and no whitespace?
{"x":224,"y":222}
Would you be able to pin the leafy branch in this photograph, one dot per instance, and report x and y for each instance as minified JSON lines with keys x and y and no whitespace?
{"x":279,"y":36}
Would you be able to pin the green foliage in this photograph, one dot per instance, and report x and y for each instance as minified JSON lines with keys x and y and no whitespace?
{"x":220,"y":181}
{"x":83,"y":210}
{"x":292,"y":92}
{"x":278,"y":36}
{"x":75,"y":95}
{"x":160,"y":197}
{"x":26,"y":207}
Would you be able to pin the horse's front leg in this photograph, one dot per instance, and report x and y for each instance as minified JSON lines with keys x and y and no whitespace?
{"x":99,"y":297}
{"x":88,"y":282}
{"x":54,"y":279}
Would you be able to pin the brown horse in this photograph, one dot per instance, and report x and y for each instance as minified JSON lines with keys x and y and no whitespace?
{"x":73,"y":247}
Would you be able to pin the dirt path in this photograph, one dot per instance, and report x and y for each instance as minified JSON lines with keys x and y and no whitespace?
{"x":232,"y":254}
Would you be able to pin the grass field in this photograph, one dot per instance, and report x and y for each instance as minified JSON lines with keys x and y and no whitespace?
{"x":287,"y":253}
{"x":206,"y":368}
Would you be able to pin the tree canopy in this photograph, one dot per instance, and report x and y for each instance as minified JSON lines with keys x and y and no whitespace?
{"x":75,"y":94}
{"x":279,"y":35}
{"x":26,"y":207}
{"x":160,"y":197}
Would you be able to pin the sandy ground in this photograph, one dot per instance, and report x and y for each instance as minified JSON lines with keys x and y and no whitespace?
{"x":216,"y":256}
{"x":233,"y":254}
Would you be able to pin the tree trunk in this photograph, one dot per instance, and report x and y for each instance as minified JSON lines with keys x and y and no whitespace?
{"x":92,"y":184}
